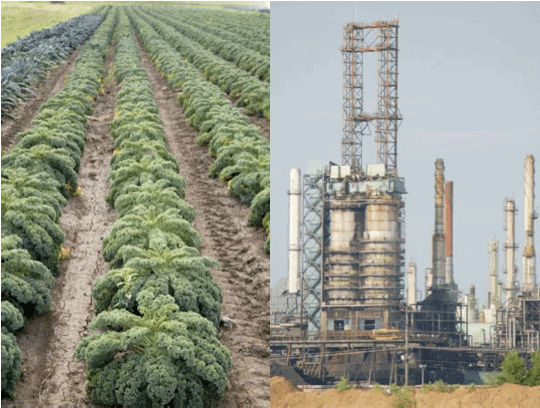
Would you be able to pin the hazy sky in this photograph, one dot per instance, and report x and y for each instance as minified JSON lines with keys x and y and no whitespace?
{"x":469,"y":93}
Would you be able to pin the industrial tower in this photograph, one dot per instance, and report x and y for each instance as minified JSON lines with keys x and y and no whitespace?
{"x":352,"y":277}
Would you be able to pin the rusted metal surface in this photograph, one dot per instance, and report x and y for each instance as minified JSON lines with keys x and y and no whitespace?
{"x":382,"y":38}
{"x":529,"y":256}
{"x":438,"y":242}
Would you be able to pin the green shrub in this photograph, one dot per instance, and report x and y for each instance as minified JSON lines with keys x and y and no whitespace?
{"x":472,"y":387}
{"x":344,"y":384}
{"x":403,"y":397}
{"x":532,"y":377}
{"x":513,"y":368}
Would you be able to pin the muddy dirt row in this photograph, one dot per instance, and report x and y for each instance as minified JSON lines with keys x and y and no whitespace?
{"x":245,"y":269}
{"x":28,"y":109}
{"x":50,"y":374}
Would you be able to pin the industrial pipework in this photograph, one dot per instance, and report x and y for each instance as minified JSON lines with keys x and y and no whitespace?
{"x":438,"y":246}
{"x":510,"y":249}
{"x":529,"y":257}
{"x":295,"y":246}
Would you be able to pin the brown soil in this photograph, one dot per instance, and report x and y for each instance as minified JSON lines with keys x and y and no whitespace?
{"x":284,"y":394}
{"x":262,"y":123}
{"x":50,"y":374}
{"x":27,"y":110}
{"x":245,"y":269}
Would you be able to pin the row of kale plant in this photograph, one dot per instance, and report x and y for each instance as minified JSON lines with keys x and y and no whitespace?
{"x":158,"y":306}
{"x":37,"y":176}
{"x":26,"y":61}
{"x":249,"y":91}
{"x":242,"y":153}
{"x":252,"y":30}
{"x":244,"y":58}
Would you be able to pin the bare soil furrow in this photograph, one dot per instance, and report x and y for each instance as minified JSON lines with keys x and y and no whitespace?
{"x":51,"y":375}
{"x":28,"y":110}
{"x":262,"y":123}
{"x":245,"y":269}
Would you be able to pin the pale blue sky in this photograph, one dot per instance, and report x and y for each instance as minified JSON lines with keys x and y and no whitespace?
{"x":469,"y":92}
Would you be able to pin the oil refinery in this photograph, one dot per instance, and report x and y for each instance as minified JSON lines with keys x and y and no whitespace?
{"x":352,"y":307}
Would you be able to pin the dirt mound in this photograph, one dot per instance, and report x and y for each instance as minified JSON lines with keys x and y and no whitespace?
{"x":285,"y":394}
{"x":508,"y":395}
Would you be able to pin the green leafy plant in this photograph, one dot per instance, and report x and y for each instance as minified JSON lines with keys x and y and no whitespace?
{"x":344,"y":384}
{"x":160,"y":357}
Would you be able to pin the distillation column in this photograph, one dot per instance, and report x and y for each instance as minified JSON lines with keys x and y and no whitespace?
{"x":448,"y":230}
{"x":438,"y":243}
{"x":411,"y":284}
{"x":510,"y":249}
{"x":295,"y":246}
{"x":529,"y":257}
{"x":494,"y":296}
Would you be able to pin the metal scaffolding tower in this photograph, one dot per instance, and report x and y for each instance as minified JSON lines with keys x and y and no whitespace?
{"x":380,"y":37}
{"x":312,"y":247}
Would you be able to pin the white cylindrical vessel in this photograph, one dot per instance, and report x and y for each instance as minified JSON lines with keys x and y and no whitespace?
{"x":495,"y":298}
{"x":295,"y":214}
{"x":411,"y":284}
{"x":510,"y":248}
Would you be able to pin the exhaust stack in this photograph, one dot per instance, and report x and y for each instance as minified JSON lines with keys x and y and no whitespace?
{"x":510,"y":249}
{"x":295,"y":247}
{"x":529,"y":256}
{"x":494,"y":296}
{"x":411,"y":284}
{"x":449,"y":230}
{"x":438,"y":244}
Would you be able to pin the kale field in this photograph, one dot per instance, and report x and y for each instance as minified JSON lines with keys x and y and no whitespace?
{"x":136,"y":210}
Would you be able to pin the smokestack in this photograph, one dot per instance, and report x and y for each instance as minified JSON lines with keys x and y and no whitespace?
{"x":529,"y":257}
{"x":438,"y":255}
{"x":448,"y":230}
{"x":510,"y":248}
{"x":295,"y":247}
{"x":494,"y":295}
{"x":473,"y":311}
{"x":411,"y":283}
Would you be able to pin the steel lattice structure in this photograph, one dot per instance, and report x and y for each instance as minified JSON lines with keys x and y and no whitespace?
{"x":380,"y":37}
{"x":312,"y":247}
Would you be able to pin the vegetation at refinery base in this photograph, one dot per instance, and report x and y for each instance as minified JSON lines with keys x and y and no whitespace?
{"x":515,"y":372}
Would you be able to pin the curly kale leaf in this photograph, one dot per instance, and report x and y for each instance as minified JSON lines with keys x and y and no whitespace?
{"x":163,"y":356}
{"x":11,"y":363}
{"x":12,"y":318}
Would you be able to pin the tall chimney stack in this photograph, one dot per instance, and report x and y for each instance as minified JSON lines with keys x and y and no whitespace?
{"x":295,"y":247}
{"x":411,"y":284}
{"x":510,"y":249}
{"x":529,"y":257}
{"x":449,"y":230}
{"x":438,"y":250}
{"x":494,"y":295}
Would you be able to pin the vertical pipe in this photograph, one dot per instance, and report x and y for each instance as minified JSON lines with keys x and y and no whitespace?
{"x":529,"y":257}
{"x":295,"y":246}
{"x":510,"y":248}
{"x":449,"y":230}
{"x":438,"y":256}
{"x":494,"y":274}
{"x":411,"y":284}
